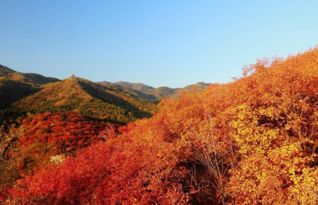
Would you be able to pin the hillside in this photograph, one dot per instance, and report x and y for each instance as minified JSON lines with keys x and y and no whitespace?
{"x":196,"y":86}
{"x":87,"y":98}
{"x":153,"y":94}
{"x":251,"y":141}
{"x":31,"y":78}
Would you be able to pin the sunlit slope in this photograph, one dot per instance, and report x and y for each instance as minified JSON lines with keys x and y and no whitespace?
{"x":86,"y":98}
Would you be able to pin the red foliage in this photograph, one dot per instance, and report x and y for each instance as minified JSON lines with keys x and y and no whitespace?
{"x":50,"y":138}
{"x":68,"y":131}
{"x":128,"y":169}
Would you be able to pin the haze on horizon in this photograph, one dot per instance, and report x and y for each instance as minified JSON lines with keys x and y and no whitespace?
{"x":157,"y":43}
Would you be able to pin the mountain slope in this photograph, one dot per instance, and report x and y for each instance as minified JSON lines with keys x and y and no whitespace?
{"x":85,"y":97}
{"x":150,"y":93}
{"x":155,"y":93}
{"x":31,"y":78}
{"x":197,"y":86}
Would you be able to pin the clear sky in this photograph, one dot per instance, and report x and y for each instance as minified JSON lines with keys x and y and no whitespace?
{"x":165,"y":42}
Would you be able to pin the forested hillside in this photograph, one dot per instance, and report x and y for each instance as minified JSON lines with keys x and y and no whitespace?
{"x":87,"y":98}
{"x":21,"y":93}
{"x":152,"y":94}
{"x":122,"y":102}
{"x":251,"y":141}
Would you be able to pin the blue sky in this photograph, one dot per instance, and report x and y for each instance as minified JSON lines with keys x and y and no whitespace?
{"x":172,"y":43}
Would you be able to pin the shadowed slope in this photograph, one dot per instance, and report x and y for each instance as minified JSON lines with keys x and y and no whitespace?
{"x":11,"y":91}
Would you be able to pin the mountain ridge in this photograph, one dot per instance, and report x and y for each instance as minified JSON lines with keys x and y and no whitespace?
{"x":119,"y":101}
{"x":140,"y":90}
{"x":154,"y":94}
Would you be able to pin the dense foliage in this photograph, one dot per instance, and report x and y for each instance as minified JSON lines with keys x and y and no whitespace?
{"x":45,"y":139}
{"x":252,"y":141}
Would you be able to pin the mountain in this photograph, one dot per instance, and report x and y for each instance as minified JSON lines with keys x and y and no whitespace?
{"x":154,"y":94}
{"x":119,"y":101}
{"x":87,"y":98}
{"x":126,"y":88}
{"x":150,"y":93}
{"x":31,"y":78}
{"x":198,"y":86}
